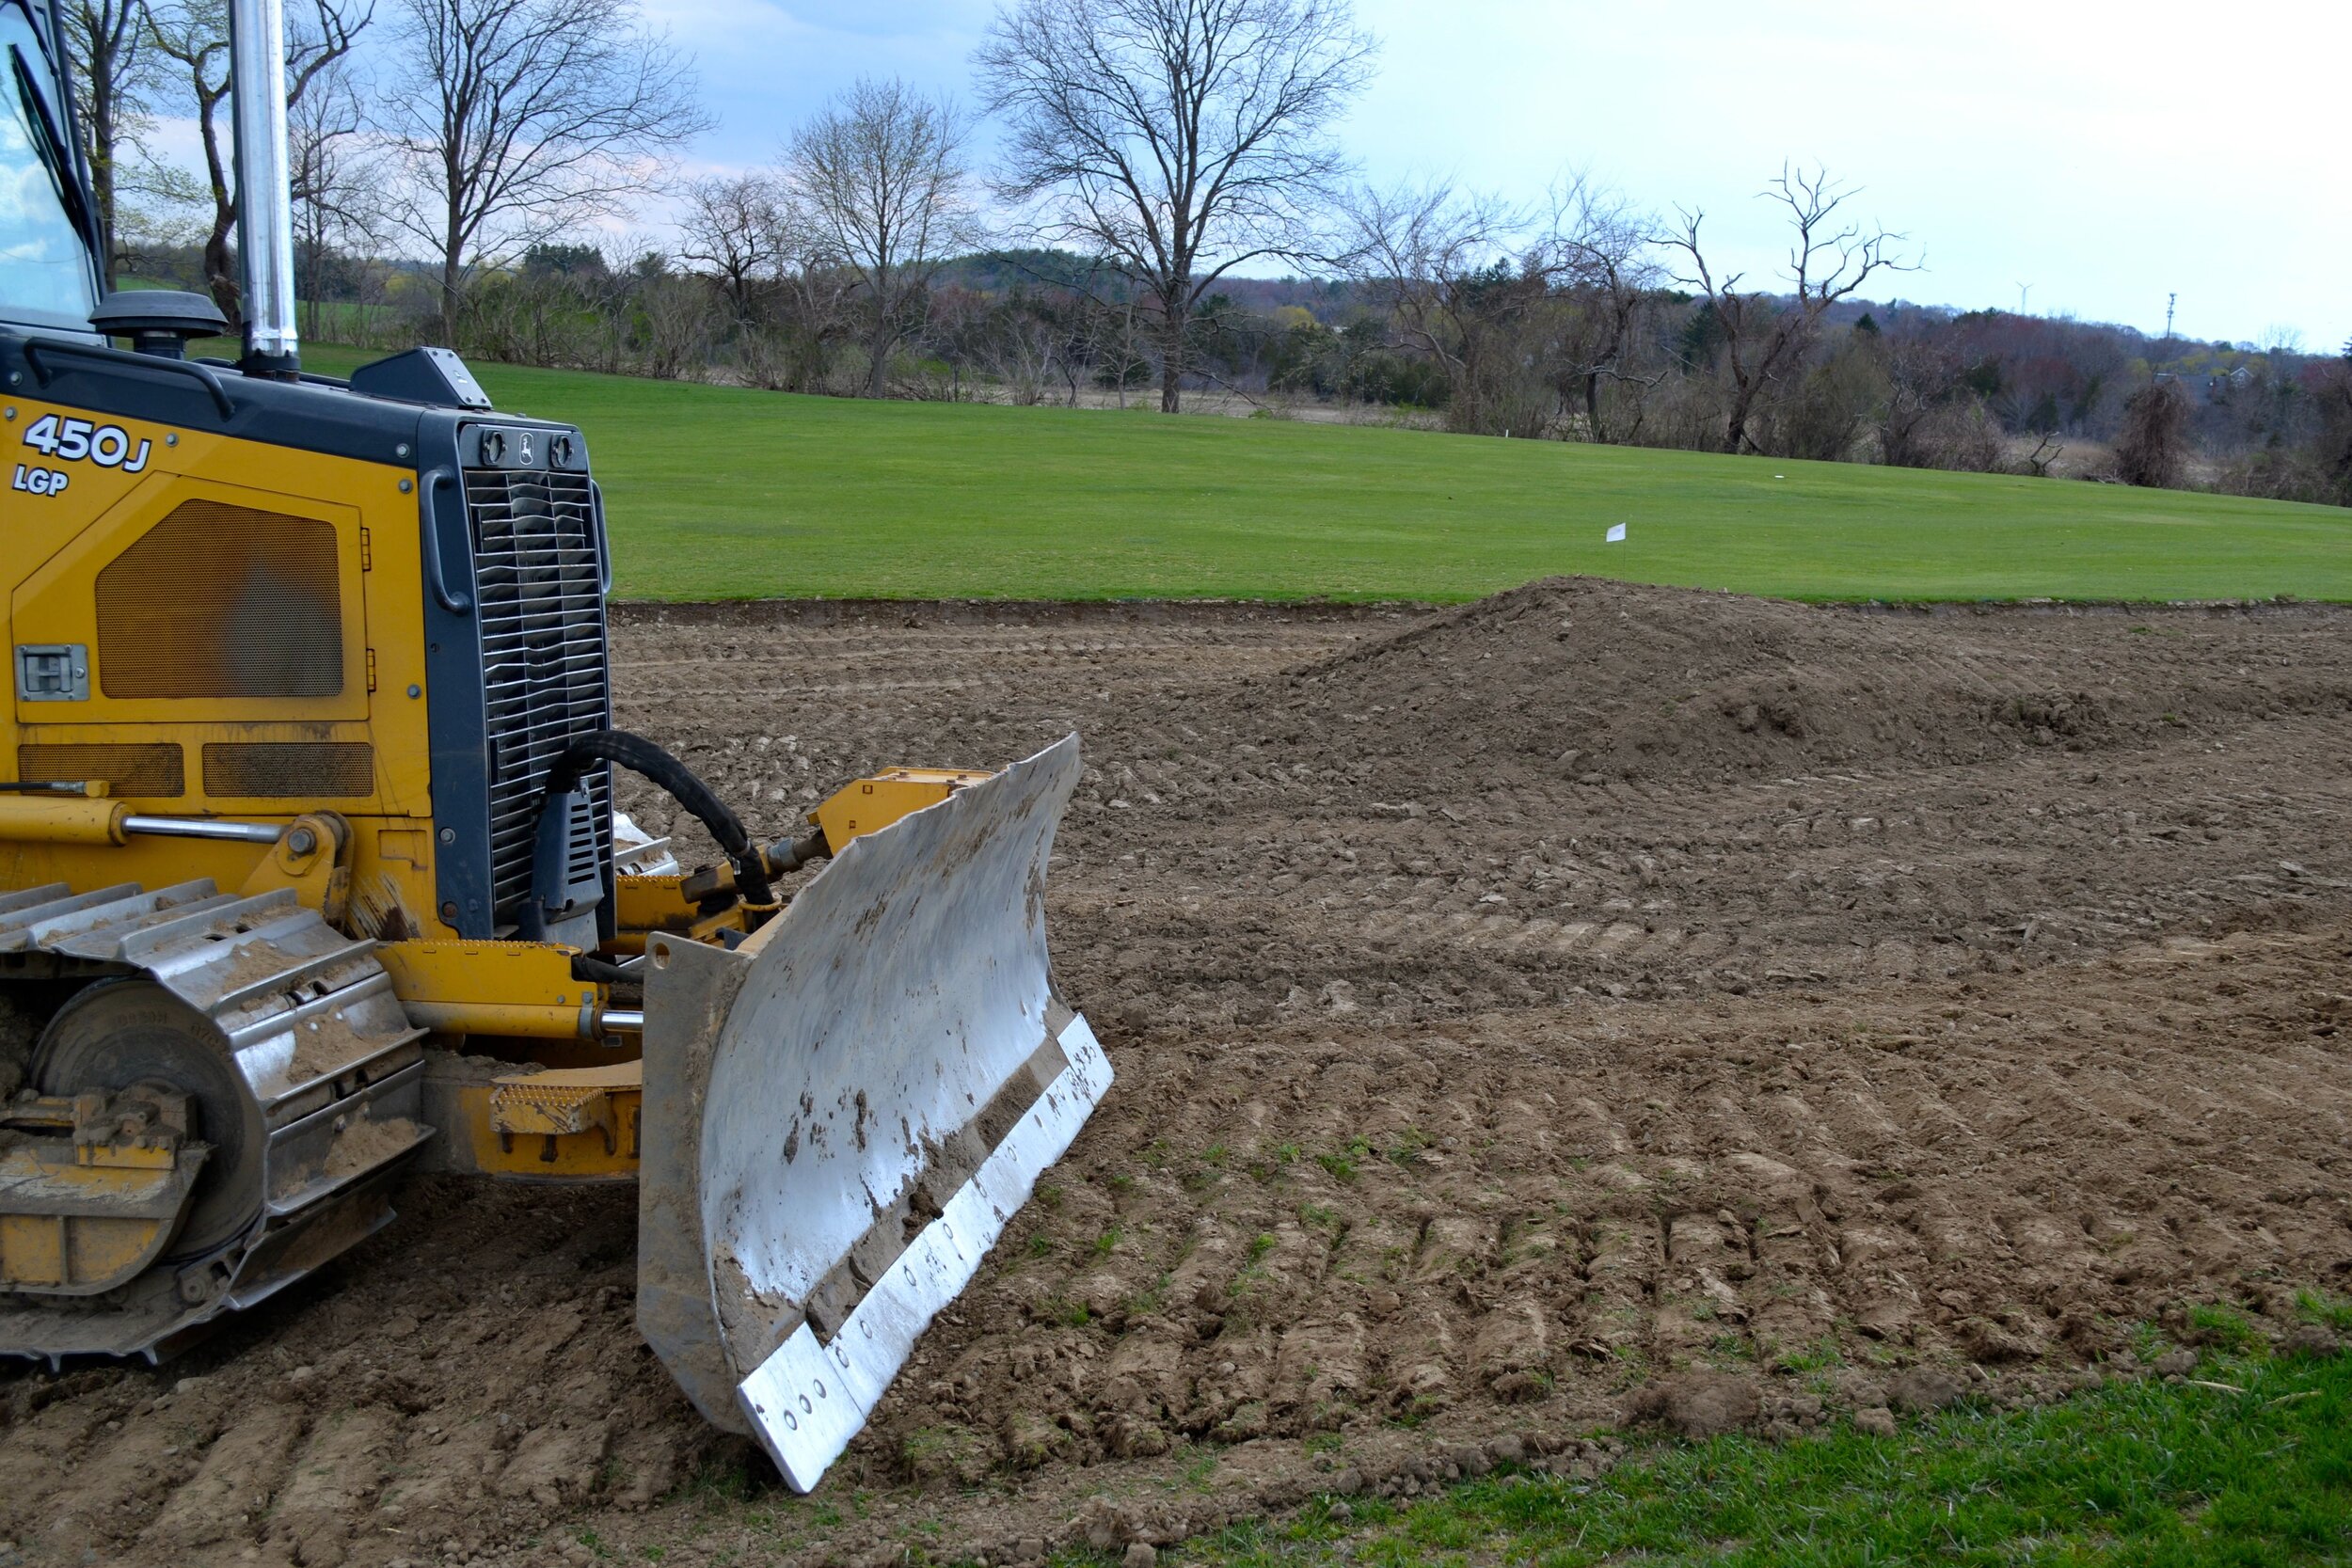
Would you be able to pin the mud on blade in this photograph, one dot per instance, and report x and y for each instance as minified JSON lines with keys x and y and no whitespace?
{"x":841,"y":1115}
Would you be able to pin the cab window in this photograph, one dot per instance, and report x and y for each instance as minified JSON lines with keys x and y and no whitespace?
{"x":45,"y":266}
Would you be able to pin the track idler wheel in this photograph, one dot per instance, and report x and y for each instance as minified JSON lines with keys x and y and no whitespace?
{"x":118,"y":1034}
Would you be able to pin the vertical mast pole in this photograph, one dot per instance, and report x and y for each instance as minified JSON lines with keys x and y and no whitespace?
{"x":257,"y":48}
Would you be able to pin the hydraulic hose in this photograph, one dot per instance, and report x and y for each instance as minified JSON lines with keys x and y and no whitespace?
{"x":643,"y":757}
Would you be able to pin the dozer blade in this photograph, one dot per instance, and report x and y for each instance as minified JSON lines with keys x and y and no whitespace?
{"x":841,"y":1115}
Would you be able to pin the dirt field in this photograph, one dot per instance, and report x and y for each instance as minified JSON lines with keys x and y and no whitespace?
{"x":1515,"y":1008}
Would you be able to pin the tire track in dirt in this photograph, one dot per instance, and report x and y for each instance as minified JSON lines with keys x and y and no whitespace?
{"x":1510,"y":1005}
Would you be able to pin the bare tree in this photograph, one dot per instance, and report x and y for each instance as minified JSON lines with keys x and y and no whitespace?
{"x":1597,"y":247}
{"x":880,"y":174}
{"x":338,"y":185}
{"x":1416,"y":252}
{"x":802,"y":315}
{"x":195,"y":34}
{"x":1457,"y":275}
{"x":1178,"y":138}
{"x":114,"y":69}
{"x":1922,"y":379}
{"x":528,"y":117}
{"x":2152,"y":447}
{"x":1026,"y":348}
{"x":2331,"y":451}
{"x":1766,"y":339}
{"x":737,"y":230}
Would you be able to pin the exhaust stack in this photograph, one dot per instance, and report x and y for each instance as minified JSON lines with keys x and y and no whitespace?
{"x":257,"y":49}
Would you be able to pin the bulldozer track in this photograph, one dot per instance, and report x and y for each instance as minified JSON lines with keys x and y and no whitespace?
{"x":318,"y":1039}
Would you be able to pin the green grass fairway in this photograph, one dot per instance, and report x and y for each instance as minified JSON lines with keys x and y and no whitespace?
{"x":718,"y":493}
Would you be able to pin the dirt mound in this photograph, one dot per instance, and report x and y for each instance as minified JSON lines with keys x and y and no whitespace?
{"x":1591,"y":679}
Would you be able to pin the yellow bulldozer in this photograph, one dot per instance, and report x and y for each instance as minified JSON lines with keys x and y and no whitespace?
{"x":309,"y":876}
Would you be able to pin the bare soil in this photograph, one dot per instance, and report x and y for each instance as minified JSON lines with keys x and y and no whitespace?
{"x":1592,"y":1004}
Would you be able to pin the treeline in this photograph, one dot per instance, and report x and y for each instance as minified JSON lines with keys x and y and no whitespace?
{"x":1100,"y":258}
{"x":1504,"y":353}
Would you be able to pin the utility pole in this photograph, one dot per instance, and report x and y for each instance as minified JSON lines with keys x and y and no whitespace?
{"x":2157,"y":372}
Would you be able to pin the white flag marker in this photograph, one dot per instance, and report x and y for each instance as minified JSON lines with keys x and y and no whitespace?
{"x":1617,"y":534}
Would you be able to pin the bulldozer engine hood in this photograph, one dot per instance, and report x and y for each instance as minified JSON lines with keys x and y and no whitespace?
{"x":490,"y":488}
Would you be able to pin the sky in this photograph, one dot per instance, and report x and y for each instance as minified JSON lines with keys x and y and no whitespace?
{"x":2079,"y":157}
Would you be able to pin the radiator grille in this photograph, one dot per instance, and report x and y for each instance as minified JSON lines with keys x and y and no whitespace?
{"x":152,"y":769}
{"x":538,"y":591}
{"x":223,"y":601}
{"x":289,"y":769}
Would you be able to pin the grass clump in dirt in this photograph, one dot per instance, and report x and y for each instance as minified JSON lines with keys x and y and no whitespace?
{"x":2328,"y":1311}
{"x":2249,"y":1463}
{"x":1341,"y":1164}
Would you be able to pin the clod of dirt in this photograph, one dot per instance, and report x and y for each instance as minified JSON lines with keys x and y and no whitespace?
{"x":1924,"y":1389}
{"x":1471,"y":1461}
{"x":1875,"y":1422}
{"x":1988,"y":1343}
{"x":2176,"y":1363}
{"x":2311,"y":1340}
{"x":555,"y":1463}
{"x":1697,"y":1405}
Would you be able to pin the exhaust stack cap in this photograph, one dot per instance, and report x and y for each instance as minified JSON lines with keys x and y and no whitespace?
{"x":159,"y":322}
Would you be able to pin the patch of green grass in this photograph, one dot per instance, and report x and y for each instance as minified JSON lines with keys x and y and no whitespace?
{"x":721,"y":1481}
{"x":1342,"y":1164}
{"x":1145,"y":1303}
{"x":2329,"y":1311}
{"x":1818,"y":1356}
{"x":2136,"y":1473}
{"x":718,"y":492}
{"x":1251,"y":1271}
{"x":2227,"y":1328}
{"x":1107,"y":1242}
{"x":1062,"y":1310}
{"x":1408,"y":1149}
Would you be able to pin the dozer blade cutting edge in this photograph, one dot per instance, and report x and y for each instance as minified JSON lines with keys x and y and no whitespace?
{"x":841,"y":1115}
